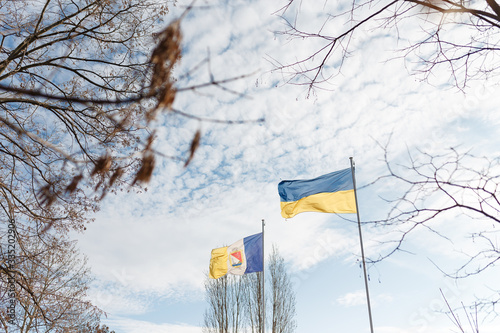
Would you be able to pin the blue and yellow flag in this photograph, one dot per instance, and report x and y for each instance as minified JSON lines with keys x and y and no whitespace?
{"x":330,"y":193}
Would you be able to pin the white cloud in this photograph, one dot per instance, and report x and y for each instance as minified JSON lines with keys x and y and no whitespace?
{"x":358,"y":297}
{"x":116,"y":299}
{"x":126,"y":325}
{"x":353,"y":299}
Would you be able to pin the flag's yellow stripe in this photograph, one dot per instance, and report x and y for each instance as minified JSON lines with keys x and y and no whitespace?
{"x":218,"y":263}
{"x":337,"y":202}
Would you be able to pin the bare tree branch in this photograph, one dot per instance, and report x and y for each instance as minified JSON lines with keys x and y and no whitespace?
{"x":465,"y":55}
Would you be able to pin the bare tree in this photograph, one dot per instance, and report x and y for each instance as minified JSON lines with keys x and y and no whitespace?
{"x":81,"y":82}
{"x":282,"y":295}
{"x":73,"y":80}
{"x":235,"y":303}
{"x":460,"y":35}
{"x":216,"y":316}
{"x":226,"y":301}
{"x":254,"y":302}
{"x":448,"y":187}
{"x":454,"y":317}
{"x":50,"y":289}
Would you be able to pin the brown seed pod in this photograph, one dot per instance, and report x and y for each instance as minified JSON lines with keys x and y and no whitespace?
{"x":102,"y":165}
{"x":194,"y":145}
{"x":74,"y":184}
{"x":146,"y":170}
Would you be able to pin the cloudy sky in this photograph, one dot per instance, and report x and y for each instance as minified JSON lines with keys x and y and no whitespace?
{"x":150,"y":251}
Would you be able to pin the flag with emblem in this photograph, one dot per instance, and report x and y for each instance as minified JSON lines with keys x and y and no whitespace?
{"x":242,"y":257}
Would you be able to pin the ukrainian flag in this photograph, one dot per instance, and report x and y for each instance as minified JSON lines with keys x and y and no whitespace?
{"x":330,"y":193}
{"x":242,"y":257}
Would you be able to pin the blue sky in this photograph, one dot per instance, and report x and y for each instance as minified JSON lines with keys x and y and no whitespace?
{"x":150,"y":251}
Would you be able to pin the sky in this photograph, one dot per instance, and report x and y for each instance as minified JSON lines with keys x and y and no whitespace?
{"x":150,"y":251}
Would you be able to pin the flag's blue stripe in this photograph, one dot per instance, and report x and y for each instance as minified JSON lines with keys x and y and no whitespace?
{"x":293,"y":190}
{"x":253,"y":253}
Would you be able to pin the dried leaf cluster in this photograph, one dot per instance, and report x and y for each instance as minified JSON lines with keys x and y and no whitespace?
{"x":166,"y":54}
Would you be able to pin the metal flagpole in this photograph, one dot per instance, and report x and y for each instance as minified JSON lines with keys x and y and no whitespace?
{"x":362,"y":250}
{"x":263,"y":283}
